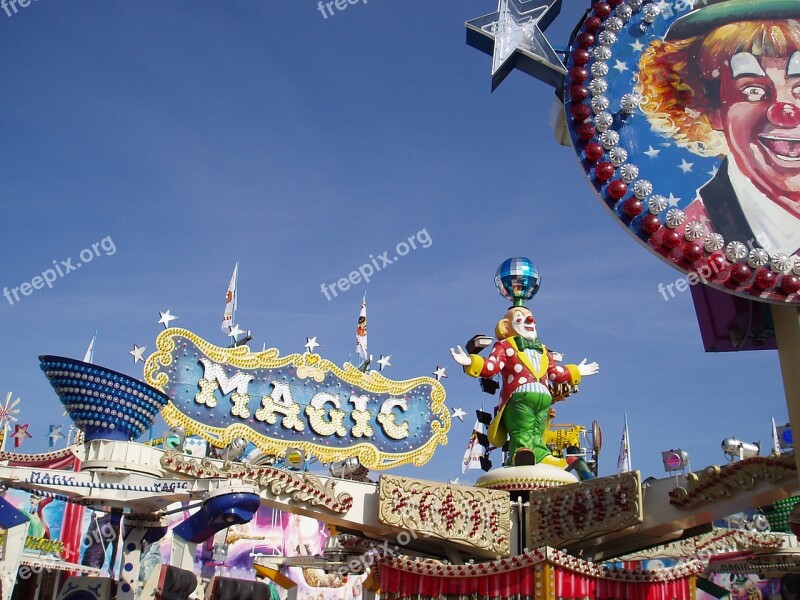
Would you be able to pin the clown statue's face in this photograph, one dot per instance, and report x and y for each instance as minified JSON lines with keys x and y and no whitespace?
{"x":760,"y":116}
{"x":521,"y":322}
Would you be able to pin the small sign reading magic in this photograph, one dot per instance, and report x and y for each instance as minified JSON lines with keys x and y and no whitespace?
{"x":296,"y":401}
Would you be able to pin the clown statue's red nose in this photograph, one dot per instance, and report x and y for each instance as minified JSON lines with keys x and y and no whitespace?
{"x":784,"y":115}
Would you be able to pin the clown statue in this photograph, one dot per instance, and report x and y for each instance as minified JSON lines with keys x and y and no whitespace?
{"x":528,"y":370}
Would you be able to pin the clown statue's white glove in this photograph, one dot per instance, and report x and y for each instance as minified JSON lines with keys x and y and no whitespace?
{"x":460,"y":356}
{"x":588,"y":369}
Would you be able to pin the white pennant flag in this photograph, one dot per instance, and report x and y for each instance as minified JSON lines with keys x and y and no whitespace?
{"x":230,"y":301}
{"x":624,"y":459}
{"x":89,"y":356}
{"x":361,"y":330}
{"x":776,"y":442}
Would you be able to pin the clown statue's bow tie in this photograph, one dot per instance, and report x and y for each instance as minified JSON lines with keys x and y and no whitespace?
{"x":525,"y":344}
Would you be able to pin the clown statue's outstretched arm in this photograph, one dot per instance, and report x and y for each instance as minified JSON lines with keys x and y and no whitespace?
{"x":571,"y":374}
{"x":477,"y":366}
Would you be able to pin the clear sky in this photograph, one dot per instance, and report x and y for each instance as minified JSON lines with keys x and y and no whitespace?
{"x":197,"y":133}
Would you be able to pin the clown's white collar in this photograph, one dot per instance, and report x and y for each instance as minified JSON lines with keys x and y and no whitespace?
{"x":774,"y":228}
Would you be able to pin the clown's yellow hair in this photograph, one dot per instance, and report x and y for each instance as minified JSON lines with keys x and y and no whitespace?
{"x":679,"y":79}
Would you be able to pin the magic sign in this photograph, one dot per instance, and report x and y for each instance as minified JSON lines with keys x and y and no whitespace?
{"x":296,"y":401}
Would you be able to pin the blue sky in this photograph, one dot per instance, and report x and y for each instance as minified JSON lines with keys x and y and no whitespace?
{"x":199,"y":133}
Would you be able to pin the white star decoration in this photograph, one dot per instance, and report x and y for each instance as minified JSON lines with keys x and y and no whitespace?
{"x":459,"y":414}
{"x":165,"y":319}
{"x":514,"y":35}
{"x":383,"y":361}
{"x":652,"y":152}
{"x":637,"y":46}
{"x":137,"y":353}
{"x":713,"y":172}
{"x":686,"y":167}
{"x":311,"y":343}
{"x":672,"y":200}
{"x":235,"y":332}
{"x":620,"y":66}
{"x":440,"y":372}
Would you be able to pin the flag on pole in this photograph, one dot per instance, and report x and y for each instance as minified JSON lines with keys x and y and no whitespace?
{"x":231,"y":301}
{"x":89,"y":356}
{"x":624,"y":459}
{"x":776,"y":443}
{"x":361,"y":330}
{"x":477,"y":454}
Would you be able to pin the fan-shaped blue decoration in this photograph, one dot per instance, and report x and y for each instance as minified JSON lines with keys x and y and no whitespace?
{"x":103,"y":404}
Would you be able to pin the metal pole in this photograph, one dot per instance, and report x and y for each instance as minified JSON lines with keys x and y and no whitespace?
{"x":787,"y":333}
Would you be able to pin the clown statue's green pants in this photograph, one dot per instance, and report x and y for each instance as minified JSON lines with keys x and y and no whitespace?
{"x":525,"y":418}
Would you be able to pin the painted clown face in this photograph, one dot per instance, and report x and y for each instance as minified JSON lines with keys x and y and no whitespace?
{"x":760,"y":117}
{"x":522,"y":322}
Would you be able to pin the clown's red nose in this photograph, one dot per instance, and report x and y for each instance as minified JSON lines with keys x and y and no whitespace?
{"x":529,"y":320}
{"x":784,"y":115}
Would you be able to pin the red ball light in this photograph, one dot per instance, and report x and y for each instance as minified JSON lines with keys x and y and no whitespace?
{"x":717,"y":263}
{"x":594,"y":151}
{"x":604,"y":171}
{"x":615,"y":3}
{"x":586,"y":131}
{"x":580,"y":56}
{"x":593,"y":24}
{"x":585,"y":40}
{"x":740,"y":273}
{"x":578,"y":93}
{"x":765,"y":279}
{"x":578,"y":74}
{"x":580,"y":112}
{"x":651,"y":224}
{"x":617,"y":189}
{"x":602,"y":9}
{"x":692,"y":252}
{"x":790,"y":284}
{"x":632,"y":207}
{"x":671,"y":239}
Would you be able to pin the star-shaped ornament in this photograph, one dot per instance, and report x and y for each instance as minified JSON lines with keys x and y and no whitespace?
{"x":235,"y":332}
{"x":383,"y":361}
{"x":459,"y":414}
{"x":311,"y":344}
{"x":20,"y":434}
{"x":514,"y":36}
{"x":166,"y":318}
{"x":440,"y":372}
{"x":55,"y":434}
{"x":137,"y":353}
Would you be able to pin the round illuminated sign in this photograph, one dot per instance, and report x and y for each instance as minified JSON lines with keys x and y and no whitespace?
{"x":686,"y":118}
